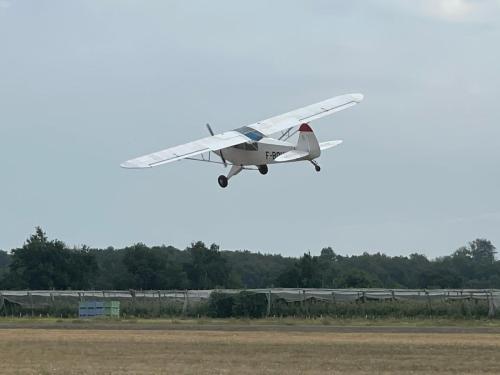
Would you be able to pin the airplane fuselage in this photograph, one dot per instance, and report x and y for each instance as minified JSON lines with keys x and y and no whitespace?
{"x":257,"y":153}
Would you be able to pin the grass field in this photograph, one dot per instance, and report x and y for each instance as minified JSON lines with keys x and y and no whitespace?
{"x":111,"y":351}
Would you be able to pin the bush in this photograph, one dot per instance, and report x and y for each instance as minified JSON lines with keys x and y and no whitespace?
{"x":220,"y":305}
{"x":244,"y":304}
{"x":452,"y":309}
{"x":250,"y":305}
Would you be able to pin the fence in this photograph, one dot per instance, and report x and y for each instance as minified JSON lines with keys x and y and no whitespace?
{"x":276,"y":301}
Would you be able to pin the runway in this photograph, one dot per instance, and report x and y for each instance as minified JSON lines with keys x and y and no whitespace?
{"x":251,"y":327}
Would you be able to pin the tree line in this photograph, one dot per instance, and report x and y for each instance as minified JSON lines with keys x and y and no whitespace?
{"x":42,"y":263}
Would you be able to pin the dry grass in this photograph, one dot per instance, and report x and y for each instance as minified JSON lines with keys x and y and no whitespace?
{"x":26,"y":351}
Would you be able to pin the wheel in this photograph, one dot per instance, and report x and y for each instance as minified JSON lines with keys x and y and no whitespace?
{"x":263,"y":169}
{"x":317,"y":167}
{"x":222,"y":181}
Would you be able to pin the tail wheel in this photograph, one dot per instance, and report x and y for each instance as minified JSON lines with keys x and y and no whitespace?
{"x":222,"y":180}
{"x":317,"y":167}
{"x":263,"y":169}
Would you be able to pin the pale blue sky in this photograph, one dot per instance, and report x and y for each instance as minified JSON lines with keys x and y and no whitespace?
{"x":85,"y":85}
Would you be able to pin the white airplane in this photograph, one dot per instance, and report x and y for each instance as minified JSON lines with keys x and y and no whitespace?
{"x":251,"y":147}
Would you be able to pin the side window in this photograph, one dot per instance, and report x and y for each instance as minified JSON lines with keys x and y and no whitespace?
{"x":247,"y":146}
{"x":252,"y":146}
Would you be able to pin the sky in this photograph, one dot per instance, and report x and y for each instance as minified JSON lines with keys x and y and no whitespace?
{"x":86,"y":85}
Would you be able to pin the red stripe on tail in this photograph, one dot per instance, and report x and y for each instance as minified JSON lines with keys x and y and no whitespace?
{"x":305,"y":128}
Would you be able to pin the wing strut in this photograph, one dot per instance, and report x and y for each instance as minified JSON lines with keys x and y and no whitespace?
{"x":288,"y":134}
{"x":220,"y":151}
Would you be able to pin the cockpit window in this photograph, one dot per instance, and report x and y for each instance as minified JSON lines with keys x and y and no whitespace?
{"x":250,"y":133}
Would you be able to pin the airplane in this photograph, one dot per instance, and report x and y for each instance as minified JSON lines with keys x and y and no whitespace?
{"x":252,"y":147}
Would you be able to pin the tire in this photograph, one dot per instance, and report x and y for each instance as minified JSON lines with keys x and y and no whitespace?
{"x":263,"y":169}
{"x":222,"y":180}
{"x":317,"y":167}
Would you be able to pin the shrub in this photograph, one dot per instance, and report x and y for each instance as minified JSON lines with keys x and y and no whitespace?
{"x":250,"y":305}
{"x":220,"y":305}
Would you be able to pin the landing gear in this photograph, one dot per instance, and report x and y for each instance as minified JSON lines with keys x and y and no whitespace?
{"x":263,"y":169}
{"x":316,"y":166}
{"x":222,"y":181}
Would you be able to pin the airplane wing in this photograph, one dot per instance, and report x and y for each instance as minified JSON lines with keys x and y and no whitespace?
{"x":213,"y":143}
{"x":306,"y":114}
{"x":250,"y":133}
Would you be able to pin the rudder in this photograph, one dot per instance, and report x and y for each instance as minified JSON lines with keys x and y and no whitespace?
{"x":308,"y":142}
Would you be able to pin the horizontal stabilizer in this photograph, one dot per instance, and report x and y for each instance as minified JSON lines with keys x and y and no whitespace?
{"x":292,"y":155}
{"x":329,"y":144}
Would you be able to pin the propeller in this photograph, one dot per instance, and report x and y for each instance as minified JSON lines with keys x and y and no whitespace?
{"x":220,"y":151}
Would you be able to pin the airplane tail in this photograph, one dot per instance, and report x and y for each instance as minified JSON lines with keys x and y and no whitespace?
{"x":307,"y":147}
{"x":308,"y":142}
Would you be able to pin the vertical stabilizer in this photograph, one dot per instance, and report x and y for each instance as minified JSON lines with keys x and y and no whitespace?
{"x":308,"y":142}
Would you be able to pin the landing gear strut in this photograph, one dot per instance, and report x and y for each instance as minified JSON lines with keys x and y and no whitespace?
{"x":316,"y":165}
{"x":263,"y":169}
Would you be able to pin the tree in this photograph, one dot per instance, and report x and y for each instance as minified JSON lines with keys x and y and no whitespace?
{"x":112,"y":272}
{"x":290,"y":278}
{"x":328,"y":255}
{"x":482,"y":250}
{"x":440,"y":276}
{"x":207,"y":268}
{"x":4,"y":265}
{"x":255,"y":270}
{"x":4,"y":259}
{"x":44,"y":264}
{"x":327,"y":267}
{"x":308,"y":267}
{"x":151,"y":269}
{"x":303,"y":274}
{"x":355,"y":278}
